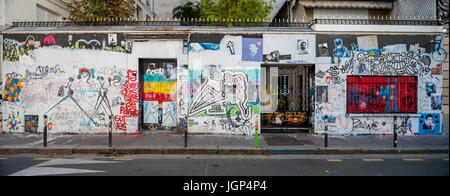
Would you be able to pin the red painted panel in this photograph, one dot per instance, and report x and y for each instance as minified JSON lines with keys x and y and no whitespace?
{"x":382,"y":94}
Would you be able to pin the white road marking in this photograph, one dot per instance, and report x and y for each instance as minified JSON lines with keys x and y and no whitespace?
{"x":42,"y":169}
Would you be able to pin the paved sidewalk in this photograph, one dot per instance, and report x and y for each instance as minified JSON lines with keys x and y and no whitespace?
{"x":268,"y":144}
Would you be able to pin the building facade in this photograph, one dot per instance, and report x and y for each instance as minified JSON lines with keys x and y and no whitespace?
{"x":337,"y":77}
{"x":375,"y":73}
{"x":306,"y":10}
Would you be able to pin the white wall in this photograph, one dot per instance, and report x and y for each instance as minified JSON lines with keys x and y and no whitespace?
{"x":19,"y":10}
{"x":2,"y":14}
{"x":341,"y":13}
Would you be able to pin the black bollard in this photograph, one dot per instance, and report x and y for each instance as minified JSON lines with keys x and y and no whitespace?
{"x":395,"y":132}
{"x":110,"y":132}
{"x":326,"y":136}
{"x":45,"y":130}
{"x":185,"y":133}
{"x":185,"y":138}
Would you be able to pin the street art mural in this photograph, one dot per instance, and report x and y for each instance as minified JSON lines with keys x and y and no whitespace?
{"x":225,"y":100}
{"x":160,"y":93}
{"x":226,"y":84}
{"x":17,"y":45}
{"x":13,"y":122}
{"x":373,"y":79}
{"x":381,"y":94}
{"x":223,"y":85}
{"x":12,"y":89}
{"x":75,"y":94}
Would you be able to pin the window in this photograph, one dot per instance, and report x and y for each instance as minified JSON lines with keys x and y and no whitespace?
{"x":381,"y":94}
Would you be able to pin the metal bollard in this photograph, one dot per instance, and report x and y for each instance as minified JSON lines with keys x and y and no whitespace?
{"x":395,"y":132}
{"x":326,"y":136}
{"x":45,"y":131}
{"x":110,"y":131}
{"x":185,"y":133}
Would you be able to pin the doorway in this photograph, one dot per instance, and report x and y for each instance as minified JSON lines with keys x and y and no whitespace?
{"x":158,"y":94}
{"x":287,"y":93}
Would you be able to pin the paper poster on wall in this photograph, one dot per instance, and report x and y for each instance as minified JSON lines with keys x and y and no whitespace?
{"x":31,"y":123}
{"x":169,"y":113}
{"x":132,"y":124}
{"x":112,"y":39}
{"x":322,"y":94}
{"x":151,"y":114}
{"x":361,"y":67}
{"x":302,"y":47}
{"x":430,"y":124}
{"x":436,"y":101}
{"x":212,"y":72}
{"x":368,"y":42}
{"x":252,"y":49}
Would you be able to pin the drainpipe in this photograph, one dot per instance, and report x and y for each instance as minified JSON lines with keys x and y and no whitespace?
{"x":153,"y":8}
{"x":289,"y":12}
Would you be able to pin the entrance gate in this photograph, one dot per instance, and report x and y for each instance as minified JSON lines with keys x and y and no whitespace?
{"x":286,"y":104}
{"x":158,"y":92}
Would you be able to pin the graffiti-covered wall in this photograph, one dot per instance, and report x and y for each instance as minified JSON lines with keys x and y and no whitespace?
{"x":372,"y":78}
{"x":223,"y":84}
{"x":77,"y":80}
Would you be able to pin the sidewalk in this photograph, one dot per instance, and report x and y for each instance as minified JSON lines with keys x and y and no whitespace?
{"x":268,"y":144}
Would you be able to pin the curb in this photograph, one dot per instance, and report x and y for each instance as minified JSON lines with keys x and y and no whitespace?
{"x":215,"y":151}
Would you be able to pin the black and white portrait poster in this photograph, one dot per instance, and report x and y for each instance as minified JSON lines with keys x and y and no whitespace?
{"x":302,"y":46}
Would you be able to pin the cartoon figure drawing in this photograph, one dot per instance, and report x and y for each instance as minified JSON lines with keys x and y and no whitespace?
{"x":339,"y":52}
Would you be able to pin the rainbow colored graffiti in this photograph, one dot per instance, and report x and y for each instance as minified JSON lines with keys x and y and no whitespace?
{"x":13,"y":121}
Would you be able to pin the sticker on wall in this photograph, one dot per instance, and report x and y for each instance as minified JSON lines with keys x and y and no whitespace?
{"x":252,"y":49}
{"x":430,"y":124}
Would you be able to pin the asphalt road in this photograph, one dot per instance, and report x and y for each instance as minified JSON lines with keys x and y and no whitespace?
{"x":209,"y":165}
